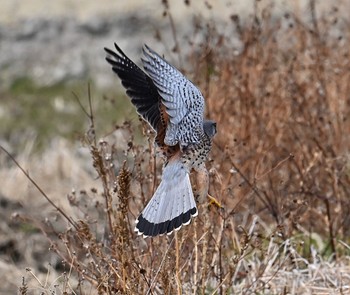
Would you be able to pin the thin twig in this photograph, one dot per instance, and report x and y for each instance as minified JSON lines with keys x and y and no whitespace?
{"x":39,"y":188}
{"x":160,"y":266}
{"x":177,"y":268}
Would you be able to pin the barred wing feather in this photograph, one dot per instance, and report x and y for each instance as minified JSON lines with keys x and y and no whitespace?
{"x":139,"y":87}
{"x":183,"y":101}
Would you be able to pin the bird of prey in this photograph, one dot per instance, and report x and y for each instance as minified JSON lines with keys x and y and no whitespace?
{"x":174,"y":108}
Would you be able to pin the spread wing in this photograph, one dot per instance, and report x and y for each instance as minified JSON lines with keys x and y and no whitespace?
{"x":139,"y":87}
{"x":183,"y":101}
{"x":144,"y":95}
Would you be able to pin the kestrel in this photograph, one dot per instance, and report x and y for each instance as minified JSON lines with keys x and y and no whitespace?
{"x":174,"y":108}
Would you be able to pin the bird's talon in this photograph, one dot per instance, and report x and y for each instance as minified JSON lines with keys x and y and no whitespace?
{"x":213,"y":201}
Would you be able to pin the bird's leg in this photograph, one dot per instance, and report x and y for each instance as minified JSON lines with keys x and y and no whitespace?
{"x":202,"y":184}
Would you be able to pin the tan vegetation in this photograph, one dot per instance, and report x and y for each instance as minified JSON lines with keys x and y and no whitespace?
{"x":280,"y":167}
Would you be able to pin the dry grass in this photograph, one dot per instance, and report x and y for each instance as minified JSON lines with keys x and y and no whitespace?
{"x":280,"y":166}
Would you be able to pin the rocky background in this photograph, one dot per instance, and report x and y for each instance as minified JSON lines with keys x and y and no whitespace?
{"x":60,"y":41}
{"x":63,"y":40}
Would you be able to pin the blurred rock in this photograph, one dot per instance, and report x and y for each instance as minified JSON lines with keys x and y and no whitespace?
{"x":63,"y":41}
{"x":30,"y":28}
{"x":62,"y":50}
{"x":96,"y":26}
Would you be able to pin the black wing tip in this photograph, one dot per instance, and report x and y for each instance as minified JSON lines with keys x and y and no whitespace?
{"x":110,"y":61}
{"x":139,"y":86}
{"x":147,"y":51}
{"x":109,"y":51}
{"x":118,"y":54}
{"x":118,"y":48}
{"x":150,"y":229}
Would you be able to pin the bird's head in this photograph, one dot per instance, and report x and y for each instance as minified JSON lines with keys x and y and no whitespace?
{"x":209,"y":128}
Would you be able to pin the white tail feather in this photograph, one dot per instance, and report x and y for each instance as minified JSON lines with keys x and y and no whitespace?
{"x":171,"y":206}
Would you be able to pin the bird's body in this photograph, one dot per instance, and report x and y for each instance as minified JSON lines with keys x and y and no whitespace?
{"x":174,"y":108}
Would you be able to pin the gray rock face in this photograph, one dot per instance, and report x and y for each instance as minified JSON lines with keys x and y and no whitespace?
{"x":62,"y":50}
{"x":52,"y":42}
